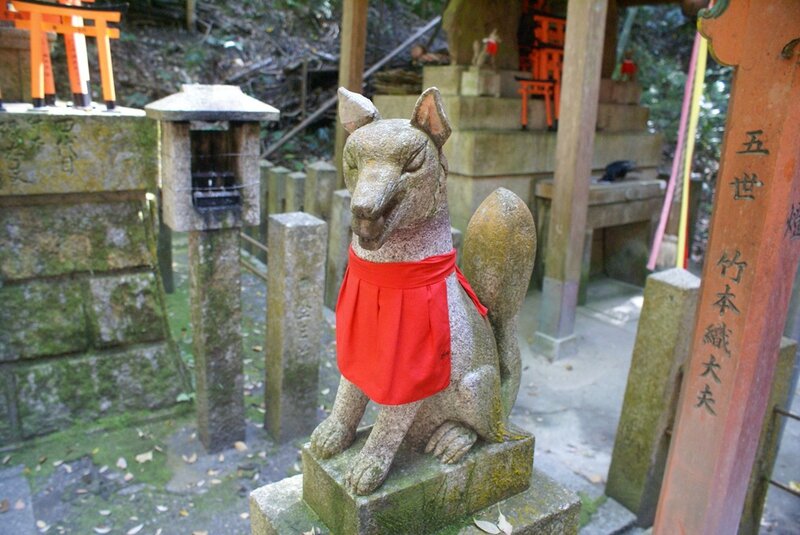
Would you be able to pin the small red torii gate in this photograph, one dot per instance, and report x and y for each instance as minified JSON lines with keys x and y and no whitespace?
{"x":66,"y":18}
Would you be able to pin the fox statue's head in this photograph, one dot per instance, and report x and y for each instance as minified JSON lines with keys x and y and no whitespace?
{"x":394,"y":168}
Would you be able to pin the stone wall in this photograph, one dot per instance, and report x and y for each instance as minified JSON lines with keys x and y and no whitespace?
{"x":83,"y":327}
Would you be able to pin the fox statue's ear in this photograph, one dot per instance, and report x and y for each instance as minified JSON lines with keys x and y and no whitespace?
{"x":429,"y":116}
{"x":355,"y":110}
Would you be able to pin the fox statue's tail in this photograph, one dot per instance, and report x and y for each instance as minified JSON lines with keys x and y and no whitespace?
{"x":499,"y":249}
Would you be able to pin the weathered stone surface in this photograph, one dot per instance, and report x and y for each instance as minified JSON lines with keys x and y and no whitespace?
{"x":492,"y":153}
{"x":295,"y":286}
{"x":278,"y":176}
{"x":9,"y":424}
{"x":489,"y":113}
{"x":477,"y":82}
{"x":661,"y":349}
{"x":320,"y":183}
{"x":176,"y":177}
{"x":447,"y":78}
{"x":545,"y":508}
{"x":57,"y":393}
{"x":421,"y":494}
{"x":339,"y":237}
{"x":295,"y":191}
{"x":127,"y":309}
{"x":458,"y":242}
{"x":466,"y":22}
{"x":14,"y":487}
{"x":780,"y":396}
{"x":48,"y":240}
{"x":203,"y":102}
{"x":466,"y":193}
{"x":214,"y":277}
{"x":42,"y":318}
{"x":15,"y":61}
{"x":68,"y":150}
{"x":626,"y":250}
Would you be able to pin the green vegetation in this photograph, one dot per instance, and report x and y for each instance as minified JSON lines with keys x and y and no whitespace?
{"x":589,"y":506}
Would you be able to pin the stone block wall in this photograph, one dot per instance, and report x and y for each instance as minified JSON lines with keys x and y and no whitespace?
{"x":83,"y":326}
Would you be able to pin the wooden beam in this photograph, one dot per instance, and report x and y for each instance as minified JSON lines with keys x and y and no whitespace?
{"x":583,"y":54}
{"x":610,"y":40}
{"x":750,"y":264}
{"x":351,"y":62}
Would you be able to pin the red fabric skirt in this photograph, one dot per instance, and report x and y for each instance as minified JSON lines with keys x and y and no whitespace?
{"x":393,"y":327}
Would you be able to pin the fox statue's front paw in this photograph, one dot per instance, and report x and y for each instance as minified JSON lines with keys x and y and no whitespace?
{"x":367,"y":473}
{"x":330,"y":438}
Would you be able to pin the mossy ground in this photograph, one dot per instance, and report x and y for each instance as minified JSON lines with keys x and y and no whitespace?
{"x":73,"y":474}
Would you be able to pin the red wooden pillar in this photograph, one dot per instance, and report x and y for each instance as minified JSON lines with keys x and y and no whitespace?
{"x":747,"y":278}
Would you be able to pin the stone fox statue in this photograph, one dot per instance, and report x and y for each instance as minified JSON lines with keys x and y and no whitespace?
{"x":396,"y":173}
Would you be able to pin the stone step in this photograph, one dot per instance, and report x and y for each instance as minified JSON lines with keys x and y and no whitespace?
{"x":19,"y":519}
{"x":491,"y":113}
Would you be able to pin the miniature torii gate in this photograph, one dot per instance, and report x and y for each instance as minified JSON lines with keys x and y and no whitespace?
{"x":68,"y":20}
{"x":747,"y":278}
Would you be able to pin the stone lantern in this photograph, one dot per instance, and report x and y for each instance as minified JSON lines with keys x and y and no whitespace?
{"x":210,"y":188}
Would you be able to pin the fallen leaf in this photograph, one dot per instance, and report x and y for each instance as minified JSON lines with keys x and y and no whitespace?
{"x":81,"y":491}
{"x":215,"y":481}
{"x":19,"y":505}
{"x":158,"y":449}
{"x":135,"y":529}
{"x":103,"y":469}
{"x":258,"y":349}
{"x":325,"y":391}
{"x":596,"y":478}
{"x":183,"y":512}
{"x":104,"y":512}
{"x":102,"y":529}
{"x":144,"y":457}
{"x":42,"y":459}
{"x":41,"y":524}
{"x":58,"y":463}
{"x":201,"y":482}
{"x":95,"y":451}
{"x":212,"y":472}
{"x":158,"y":531}
{"x":6,"y":459}
{"x":794,"y":485}
{"x":128,"y":476}
{"x":221,"y":458}
{"x":4,"y":506}
{"x":244,"y":516}
{"x":262,"y":454}
{"x":240,"y":446}
{"x":191,"y":459}
{"x":122,"y":464}
{"x":504,"y":524}
{"x":199,"y":533}
{"x":486,"y":526}
{"x":162,"y":508}
{"x":140,"y":433}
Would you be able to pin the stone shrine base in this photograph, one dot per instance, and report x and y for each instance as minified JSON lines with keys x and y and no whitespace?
{"x":421,"y":495}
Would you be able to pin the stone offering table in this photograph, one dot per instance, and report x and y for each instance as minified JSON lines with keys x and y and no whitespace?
{"x":620,"y":223}
{"x":83,"y":326}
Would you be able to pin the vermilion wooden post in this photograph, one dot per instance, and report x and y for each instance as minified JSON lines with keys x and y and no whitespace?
{"x":749,"y":268}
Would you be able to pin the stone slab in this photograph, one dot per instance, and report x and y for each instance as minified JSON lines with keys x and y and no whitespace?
{"x":545,"y":508}
{"x":41,"y":318}
{"x":421,"y":494}
{"x":56,"y":239}
{"x":632,"y":188}
{"x":477,"y":82}
{"x":611,"y":517}
{"x":127,"y":309}
{"x":64,"y":150}
{"x":490,"y":113}
{"x":447,"y":78}
{"x":492,"y":153}
{"x":57,"y":393}
{"x":207,"y":102}
{"x":14,"y":487}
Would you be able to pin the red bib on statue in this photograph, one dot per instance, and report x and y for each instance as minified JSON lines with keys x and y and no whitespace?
{"x":393,"y":327}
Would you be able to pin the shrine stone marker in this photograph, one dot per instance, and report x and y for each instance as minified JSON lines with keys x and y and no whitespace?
{"x":320,"y":183}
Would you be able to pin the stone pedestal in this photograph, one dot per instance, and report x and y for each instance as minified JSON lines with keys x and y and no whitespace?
{"x":477,"y":82}
{"x":422,"y":496}
{"x":295,"y":284}
{"x":214,"y":275}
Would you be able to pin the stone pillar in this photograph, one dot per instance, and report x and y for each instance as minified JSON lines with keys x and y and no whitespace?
{"x":263,"y":197}
{"x":295,"y":191}
{"x":295,"y":286}
{"x":276,"y":194}
{"x":216,"y":336}
{"x":583,"y":53}
{"x":164,"y":250}
{"x":654,"y":381}
{"x":339,"y":237}
{"x":320,"y":183}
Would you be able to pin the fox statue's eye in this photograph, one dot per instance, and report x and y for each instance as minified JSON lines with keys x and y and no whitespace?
{"x":416,"y":160}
